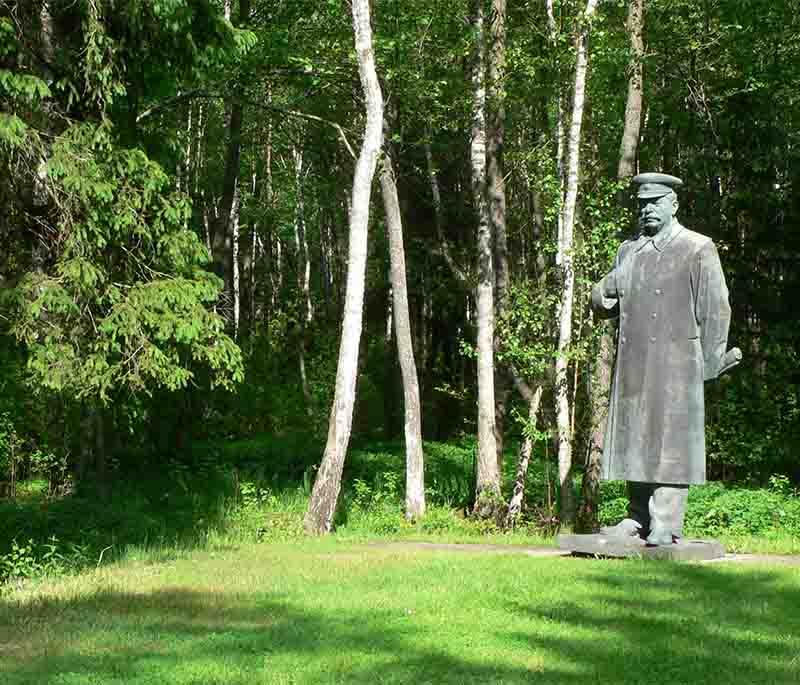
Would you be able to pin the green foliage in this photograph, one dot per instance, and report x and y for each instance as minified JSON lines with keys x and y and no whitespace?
{"x":9,"y":444}
{"x":30,"y":559}
{"x":526,"y":330}
{"x":754,"y":428}
{"x":260,"y":513}
{"x":716,"y":510}
{"x":127,"y":303}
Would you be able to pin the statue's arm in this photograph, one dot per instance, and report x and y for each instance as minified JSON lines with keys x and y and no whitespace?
{"x":605,"y":298}
{"x":712,"y":310}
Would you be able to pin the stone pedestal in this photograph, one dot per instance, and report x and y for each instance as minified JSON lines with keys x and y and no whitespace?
{"x":618,"y":546}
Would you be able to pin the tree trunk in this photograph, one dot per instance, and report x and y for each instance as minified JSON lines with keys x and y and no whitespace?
{"x":600,"y":376}
{"x":222,"y":241}
{"x":495,"y":179}
{"x":269,"y":277}
{"x":235,"y":280}
{"x":415,"y":478}
{"x":303,"y":275}
{"x":525,"y":451}
{"x":433,"y":179}
{"x":552,"y":35}
{"x":301,"y":242}
{"x":497,"y":198}
{"x":488,"y":477}
{"x":629,"y":144}
{"x":565,"y":262}
{"x":322,"y":506}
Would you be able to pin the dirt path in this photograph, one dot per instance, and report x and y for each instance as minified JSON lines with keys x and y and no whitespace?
{"x":782,"y":560}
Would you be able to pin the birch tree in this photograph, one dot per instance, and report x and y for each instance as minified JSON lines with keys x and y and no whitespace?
{"x":322,"y":506}
{"x":564,"y":260}
{"x":415,"y":478}
{"x":496,"y":187}
{"x":600,"y":379}
{"x":488,"y":476}
{"x":305,"y":309}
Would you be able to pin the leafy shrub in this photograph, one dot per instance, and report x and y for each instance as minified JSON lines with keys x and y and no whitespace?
{"x":261,"y":514}
{"x":30,"y":559}
{"x":717,"y":509}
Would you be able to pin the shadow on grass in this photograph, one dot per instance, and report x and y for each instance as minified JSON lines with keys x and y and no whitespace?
{"x":146,"y":513}
{"x":664,"y":622}
{"x":177,"y":636}
{"x":624,"y":626}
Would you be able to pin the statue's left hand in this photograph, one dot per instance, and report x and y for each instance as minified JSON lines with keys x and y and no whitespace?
{"x":732,"y":357}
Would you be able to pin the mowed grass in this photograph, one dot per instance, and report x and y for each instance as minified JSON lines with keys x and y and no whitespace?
{"x":332,"y":612}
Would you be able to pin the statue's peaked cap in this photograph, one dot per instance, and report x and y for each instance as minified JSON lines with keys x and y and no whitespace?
{"x":653,"y":185}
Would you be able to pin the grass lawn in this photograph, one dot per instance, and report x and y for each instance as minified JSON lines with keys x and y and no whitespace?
{"x":333,"y":612}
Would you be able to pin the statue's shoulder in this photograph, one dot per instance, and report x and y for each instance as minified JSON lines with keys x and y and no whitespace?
{"x":693,"y":239}
{"x":625,"y":246}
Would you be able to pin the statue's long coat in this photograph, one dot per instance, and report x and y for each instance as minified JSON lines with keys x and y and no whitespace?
{"x":670,"y":295}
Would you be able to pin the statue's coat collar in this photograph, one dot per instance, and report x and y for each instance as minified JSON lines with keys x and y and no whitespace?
{"x":660,"y":239}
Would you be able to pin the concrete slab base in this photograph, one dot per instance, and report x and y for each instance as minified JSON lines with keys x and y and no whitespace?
{"x":616,"y":546}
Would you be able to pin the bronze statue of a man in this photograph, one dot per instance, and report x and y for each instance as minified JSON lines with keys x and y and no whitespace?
{"x":668,"y":290}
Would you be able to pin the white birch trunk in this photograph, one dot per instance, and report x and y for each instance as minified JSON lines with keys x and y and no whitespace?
{"x":599,"y":378}
{"x":252,"y":281}
{"x":206,"y":224}
{"x":267,"y":250}
{"x":567,"y":270}
{"x":552,"y":29}
{"x":415,"y":478}
{"x":301,"y":240}
{"x":497,"y":199}
{"x":235,"y":261}
{"x":198,"y":148}
{"x":488,"y":477}
{"x":525,"y":451}
{"x":303,"y":275}
{"x":321,"y":508}
{"x":277,"y":286}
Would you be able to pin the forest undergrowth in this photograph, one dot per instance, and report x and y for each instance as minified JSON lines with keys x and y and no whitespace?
{"x":218,"y":495}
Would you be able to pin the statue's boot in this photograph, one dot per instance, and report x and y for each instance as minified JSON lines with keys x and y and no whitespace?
{"x":667,"y":507}
{"x":661,"y":536}
{"x":627,"y":528}
{"x":637,"y":521}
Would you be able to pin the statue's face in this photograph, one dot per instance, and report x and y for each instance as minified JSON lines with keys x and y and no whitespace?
{"x":657,"y":212}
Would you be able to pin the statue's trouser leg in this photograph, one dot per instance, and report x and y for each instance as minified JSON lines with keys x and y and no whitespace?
{"x":658,"y":508}
{"x":639,"y":495}
{"x":667,"y":506}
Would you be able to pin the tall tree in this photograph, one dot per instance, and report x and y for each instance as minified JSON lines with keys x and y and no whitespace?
{"x":629,"y":144}
{"x":322,"y":505}
{"x":564,"y":260}
{"x":488,"y":475}
{"x":415,"y":474}
{"x":304,"y":309}
{"x":602,"y":366}
{"x":495,"y":181}
{"x":227,"y":224}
